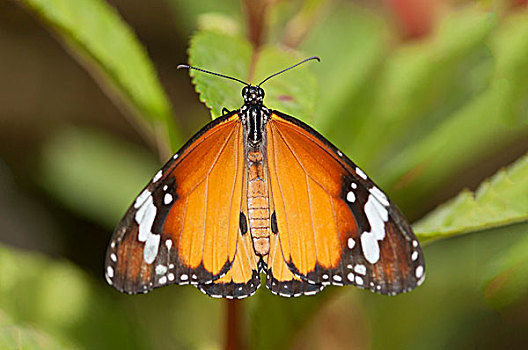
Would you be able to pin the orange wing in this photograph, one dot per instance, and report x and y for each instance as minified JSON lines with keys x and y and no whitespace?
{"x":184,"y":227}
{"x":333,"y":224}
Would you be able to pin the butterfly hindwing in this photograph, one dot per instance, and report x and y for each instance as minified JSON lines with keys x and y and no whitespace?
{"x":335,"y":226}
{"x":280,"y":280}
{"x":242,"y":280}
{"x":182,"y":229}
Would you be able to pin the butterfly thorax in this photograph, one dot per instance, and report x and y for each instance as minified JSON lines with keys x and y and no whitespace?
{"x":254,"y":113}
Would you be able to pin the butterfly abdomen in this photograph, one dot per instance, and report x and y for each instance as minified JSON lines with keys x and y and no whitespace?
{"x":258,"y":203}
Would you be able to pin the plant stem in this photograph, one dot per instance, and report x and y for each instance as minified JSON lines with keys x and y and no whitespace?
{"x":256,"y":13}
{"x":233,"y":339}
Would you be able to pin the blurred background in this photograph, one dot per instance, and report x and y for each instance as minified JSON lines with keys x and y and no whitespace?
{"x":430,"y":97}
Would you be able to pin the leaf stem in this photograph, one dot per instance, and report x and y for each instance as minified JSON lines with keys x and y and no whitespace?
{"x":256,"y":13}
{"x":233,"y":339}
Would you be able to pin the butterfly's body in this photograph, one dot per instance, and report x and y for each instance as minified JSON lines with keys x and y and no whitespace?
{"x":259,"y":191}
{"x":254,"y":116}
{"x":257,"y":203}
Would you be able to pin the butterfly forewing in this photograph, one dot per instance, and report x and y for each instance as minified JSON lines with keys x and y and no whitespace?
{"x":184,"y":227}
{"x":334,"y":225}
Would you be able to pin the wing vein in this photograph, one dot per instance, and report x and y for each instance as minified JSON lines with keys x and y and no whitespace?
{"x":299,"y":162}
{"x":311,"y":219}
{"x":213,"y":163}
{"x":311,"y":216}
{"x":205,"y":215}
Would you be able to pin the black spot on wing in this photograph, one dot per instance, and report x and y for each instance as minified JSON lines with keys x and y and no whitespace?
{"x":243,"y":223}
{"x":274,"y":227}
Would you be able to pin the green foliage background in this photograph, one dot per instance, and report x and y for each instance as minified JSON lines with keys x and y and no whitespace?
{"x":415,"y":115}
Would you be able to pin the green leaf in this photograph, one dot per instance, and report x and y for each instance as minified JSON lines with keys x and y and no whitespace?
{"x":109,"y":50}
{"x":500,"y":201}
{"x":506,"y":280}
{"x":292,"y":93}
{"x":224,"y":54}
{"x":94,"y":174}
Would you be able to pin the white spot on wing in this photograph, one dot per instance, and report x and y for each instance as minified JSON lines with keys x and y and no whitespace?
{"x":377,"y":215}
{"x":361,"y":269}
{"x":151,"y":248}
{"x":380,"y":196}
{"x":419,"y":271}
{"x":353,"y":185}
{"x":351,"y":243}
{"x":161,"y":269}
{"x":110,"y":272}
{"x":359,"y":280}
{"x":414,"y":256}
{"x":113,"y":257}
{"x":184,"y":277}
{"x":351,"y":197}
{"x":361,"y":173}
{"x":167,"y":199}
{"x":141,"y":198}
{"x":158,"y":176}
{"x":420,"y":281}
{"x":145,"y":218}
{"x":171,"y":276}
{"x":337,"y":278}
{"x":350,"y":277}
{"x":370,"y":247}
{"x":163,"y":280}
{"x":175,"y":156}
{"x":168,"y":243}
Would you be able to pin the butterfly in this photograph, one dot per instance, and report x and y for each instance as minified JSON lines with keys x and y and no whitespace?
{"x":257,"y":191}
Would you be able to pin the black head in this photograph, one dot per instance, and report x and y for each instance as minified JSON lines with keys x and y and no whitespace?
{"x":253,"y":95}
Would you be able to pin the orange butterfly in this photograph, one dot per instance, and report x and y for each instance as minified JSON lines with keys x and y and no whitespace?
{"x":259,"y":191}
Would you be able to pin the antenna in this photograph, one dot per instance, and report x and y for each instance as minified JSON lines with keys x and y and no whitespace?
{"x":182,"y":66}
{"x":209,"y":72}
{"x":287,"y":69}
